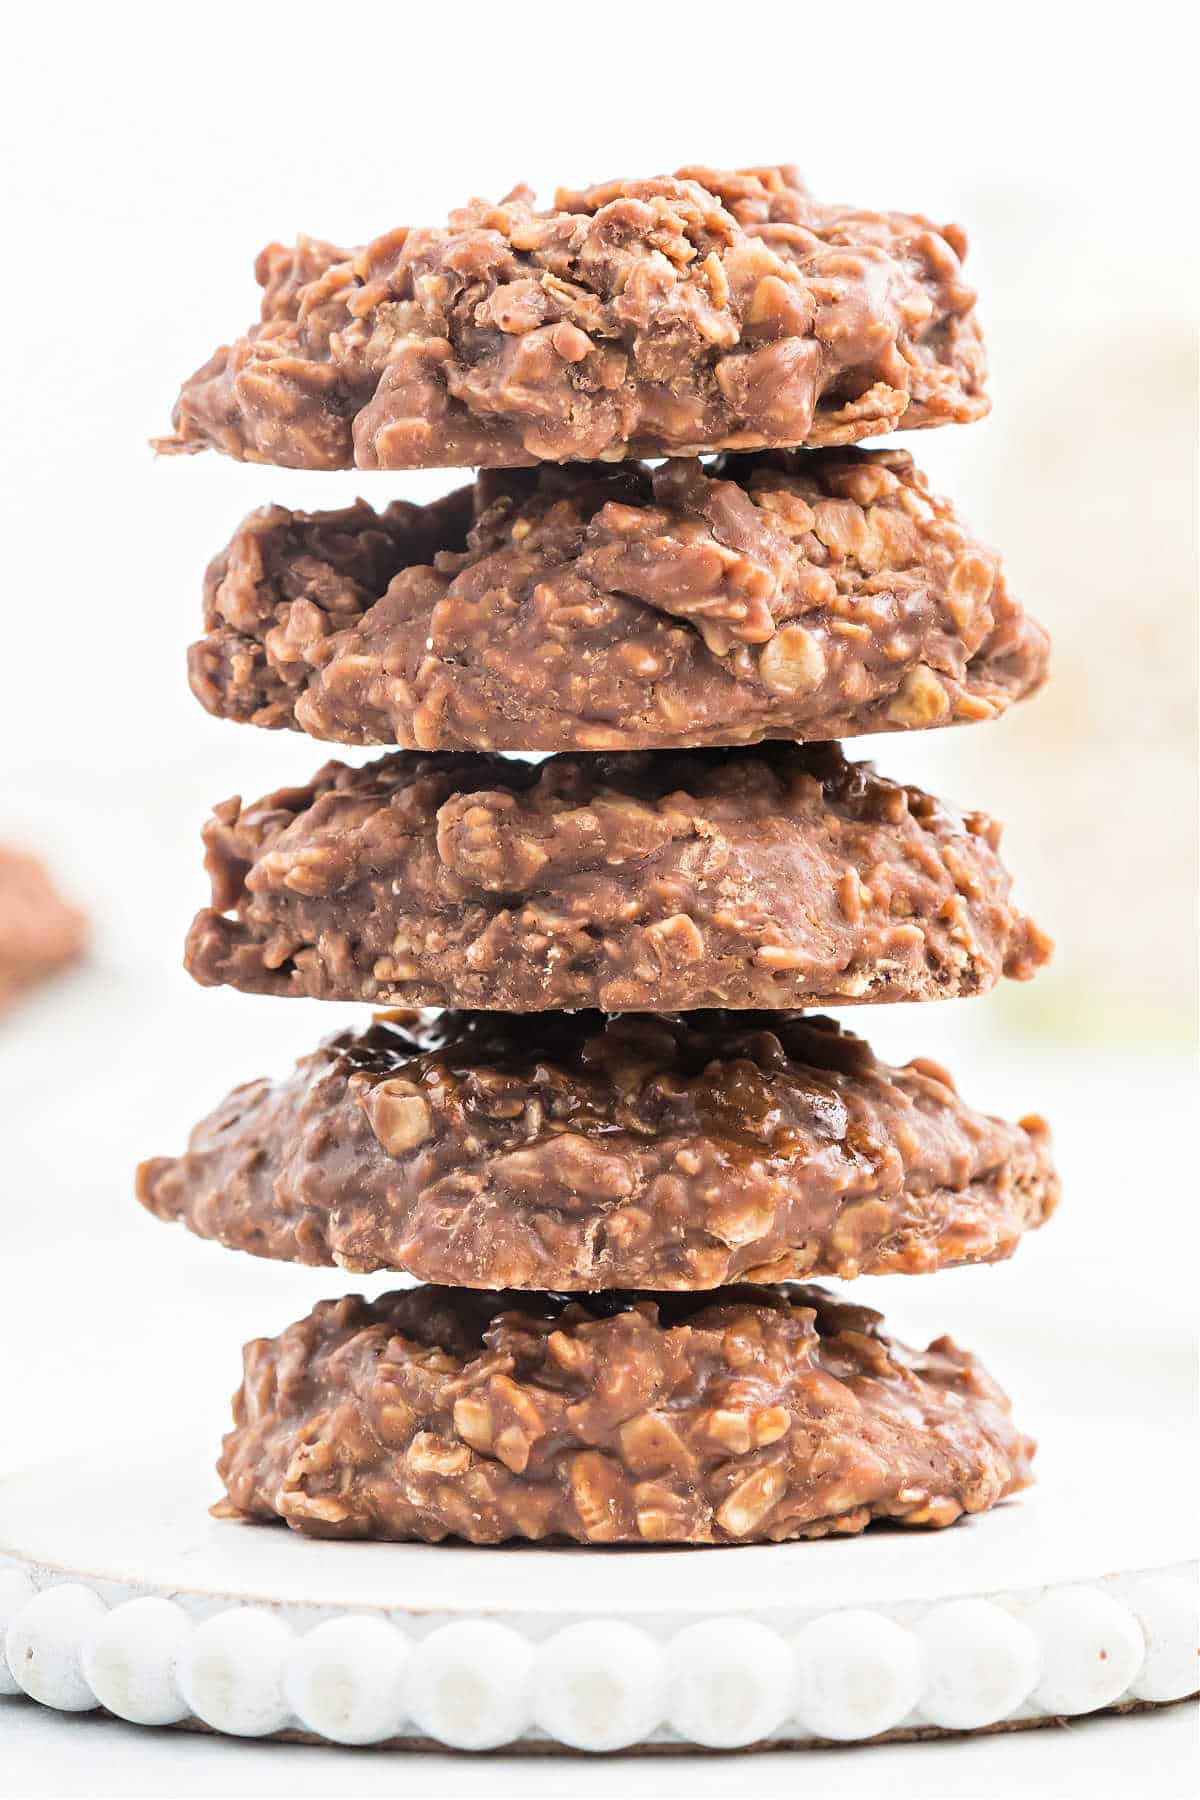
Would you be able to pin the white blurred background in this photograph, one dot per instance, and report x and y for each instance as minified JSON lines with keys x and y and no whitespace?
{"x":151,"y":152}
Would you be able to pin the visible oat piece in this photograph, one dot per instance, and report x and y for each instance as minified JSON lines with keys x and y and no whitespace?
{"x":741,"y":1415}
{"x":810,"y":594}
{"x":39,"y":931}
{"x":776,"y":877}
{"x":706,"y":310}
{"x":575,"y":1151}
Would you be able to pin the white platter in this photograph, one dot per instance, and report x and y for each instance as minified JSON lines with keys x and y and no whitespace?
{"x":116,"y":1589}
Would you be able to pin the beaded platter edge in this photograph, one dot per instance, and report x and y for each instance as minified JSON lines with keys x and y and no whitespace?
{"x":986,"y":1662}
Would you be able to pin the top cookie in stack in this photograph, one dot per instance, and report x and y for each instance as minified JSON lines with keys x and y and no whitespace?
{"x":703,"y":311}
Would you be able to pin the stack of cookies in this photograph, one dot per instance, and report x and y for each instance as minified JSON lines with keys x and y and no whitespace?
{"x":624,"y":1140}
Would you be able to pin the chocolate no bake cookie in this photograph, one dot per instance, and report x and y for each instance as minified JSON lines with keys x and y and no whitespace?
{"x":811,"y":594}
{"x":39,"y":931}
{"x":576,"y":1151}
{"x":708,"y":310}
{"x":775,"y":877}
{"x":745,"y":1414}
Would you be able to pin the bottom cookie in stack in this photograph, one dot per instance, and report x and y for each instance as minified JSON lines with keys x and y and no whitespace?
{"x":741,"y":1415}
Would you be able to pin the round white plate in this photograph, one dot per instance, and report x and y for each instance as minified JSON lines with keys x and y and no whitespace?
{"x":117,"y":1589}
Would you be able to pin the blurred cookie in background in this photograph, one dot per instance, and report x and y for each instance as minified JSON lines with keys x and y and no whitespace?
{"x":40,"y":932}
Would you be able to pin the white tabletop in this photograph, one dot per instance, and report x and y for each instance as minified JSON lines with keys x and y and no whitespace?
{"x":1103,"y":1759}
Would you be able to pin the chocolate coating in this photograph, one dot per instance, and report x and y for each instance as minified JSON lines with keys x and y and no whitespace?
{"x":708,"y":310}
{"x":573,"y":1151}
{"x":776,"y":877}
{"x":807,"y":595}
{"x":746,"y":1414}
